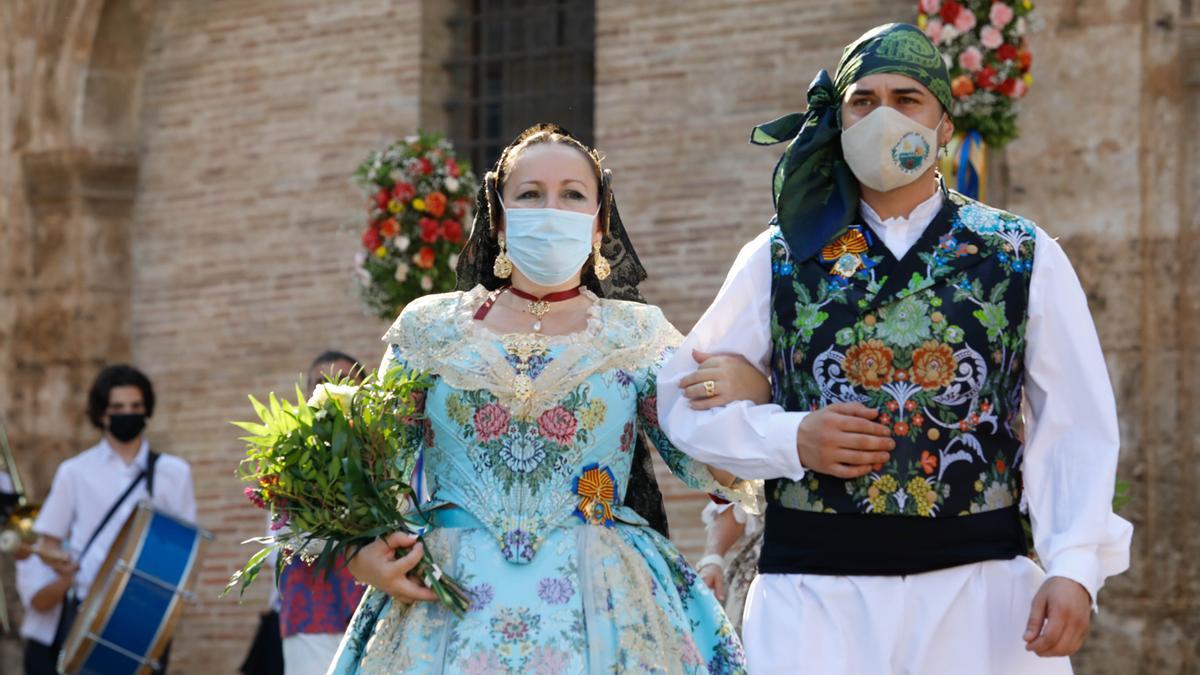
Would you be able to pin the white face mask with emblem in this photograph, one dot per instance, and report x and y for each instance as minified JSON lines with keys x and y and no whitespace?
{"x":888,"y":150}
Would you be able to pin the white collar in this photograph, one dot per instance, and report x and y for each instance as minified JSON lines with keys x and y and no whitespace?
{"x":141,"y":459}
{"x":918,"y":218}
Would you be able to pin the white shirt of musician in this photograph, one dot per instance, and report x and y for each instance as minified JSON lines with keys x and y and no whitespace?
{"x":86,"y":486}
{"x":32,"y":576}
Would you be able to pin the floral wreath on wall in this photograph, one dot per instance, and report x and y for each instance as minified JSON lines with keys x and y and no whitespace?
{"x":419,"y":200}
{"x":986,"y":47}
{"x":987,"y":52}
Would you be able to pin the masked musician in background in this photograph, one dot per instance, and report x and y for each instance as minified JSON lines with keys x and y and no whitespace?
{"x":94,"y":492}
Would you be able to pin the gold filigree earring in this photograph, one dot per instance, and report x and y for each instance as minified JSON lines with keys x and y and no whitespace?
{"x":502,"y":268}
{"x":599,"y":264}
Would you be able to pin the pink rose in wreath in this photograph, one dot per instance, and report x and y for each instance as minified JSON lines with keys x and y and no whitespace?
{"x":971,"y":59}
{"x":965,"y":21}
{"x":491,"y":421}
{"x":990,"y":37}
{"x":558,"y":425}
{"x":933,"y":30}
{"x":931,"y":7}
{"x":1000,"y":15}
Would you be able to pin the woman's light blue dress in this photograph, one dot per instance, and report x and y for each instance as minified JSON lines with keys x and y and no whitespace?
{"x":527,"y":456}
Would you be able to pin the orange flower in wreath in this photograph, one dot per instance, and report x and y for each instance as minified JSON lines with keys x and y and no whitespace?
{"x":389,"y":228}
{"x":869,"y":364}
{"x":933,"y":365}
{"x":425,"y":258}
{"x":435,"y":204}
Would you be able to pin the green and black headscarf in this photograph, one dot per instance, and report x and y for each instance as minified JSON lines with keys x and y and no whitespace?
{"x":816,"y":195}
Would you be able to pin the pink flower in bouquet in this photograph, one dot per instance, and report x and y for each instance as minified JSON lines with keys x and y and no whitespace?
{"x":930,"y":7}
{"x":933,"y":30}
{"x":255,"y":497}
{"x":558,"y":425}
{"x":965,"y":21}
{"x":971,"y":59}
{"x":990,"y":37}
{"x":1000,"y":15}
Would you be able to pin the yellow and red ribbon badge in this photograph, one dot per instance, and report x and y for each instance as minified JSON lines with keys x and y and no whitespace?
{"x":845,"y":252}
{"x":597,"y":490}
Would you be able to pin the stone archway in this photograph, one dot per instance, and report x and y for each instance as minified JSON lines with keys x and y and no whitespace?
{"x":70,"y":76}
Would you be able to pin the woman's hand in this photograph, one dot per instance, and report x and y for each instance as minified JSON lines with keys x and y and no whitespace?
{"x":722,"y":379}
{"x":720,"y":535}
{"x":377,"y":565}
{"x":714,"y":577}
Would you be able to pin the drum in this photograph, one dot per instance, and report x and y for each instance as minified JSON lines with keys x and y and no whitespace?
{"x":128,"y":617}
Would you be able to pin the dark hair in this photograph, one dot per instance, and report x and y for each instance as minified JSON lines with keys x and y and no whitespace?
{"x":119,"y":375}
{"x":331,"y":356}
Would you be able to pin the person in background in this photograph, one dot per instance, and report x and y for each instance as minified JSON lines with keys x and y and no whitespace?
{"x":94,"y":492}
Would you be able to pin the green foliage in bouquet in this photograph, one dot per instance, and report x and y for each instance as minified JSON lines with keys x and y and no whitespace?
{"x":333,"y":472}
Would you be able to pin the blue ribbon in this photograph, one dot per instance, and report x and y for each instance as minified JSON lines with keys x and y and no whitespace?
{"x":967,"y":181}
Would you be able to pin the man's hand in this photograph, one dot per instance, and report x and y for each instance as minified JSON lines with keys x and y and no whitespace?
{"x":842,"y":440}
{"x":1059,"y":619}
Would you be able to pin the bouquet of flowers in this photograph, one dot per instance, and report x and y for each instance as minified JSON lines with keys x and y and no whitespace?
{"x":987,"y":53}
{"x":333,"y":472}
{"x":419,"y":198}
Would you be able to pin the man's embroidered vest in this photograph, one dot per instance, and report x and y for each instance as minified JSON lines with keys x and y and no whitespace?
{"x":935,"y":343}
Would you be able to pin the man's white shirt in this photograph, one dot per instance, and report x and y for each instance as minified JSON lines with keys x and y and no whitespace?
{"x":88,"y":484}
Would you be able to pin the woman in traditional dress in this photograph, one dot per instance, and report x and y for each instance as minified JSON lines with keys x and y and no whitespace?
{"x":543,"y":390}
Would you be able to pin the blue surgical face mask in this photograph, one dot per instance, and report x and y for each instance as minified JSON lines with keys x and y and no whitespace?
{"x":548,"y":245}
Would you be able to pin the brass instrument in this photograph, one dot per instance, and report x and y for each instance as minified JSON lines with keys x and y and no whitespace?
{"x":17,"y":515}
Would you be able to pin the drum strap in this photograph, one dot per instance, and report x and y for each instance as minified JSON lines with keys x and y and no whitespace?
{"x":148,"y":475}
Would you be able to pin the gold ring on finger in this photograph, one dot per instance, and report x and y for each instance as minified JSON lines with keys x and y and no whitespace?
{"x":710,"y":388}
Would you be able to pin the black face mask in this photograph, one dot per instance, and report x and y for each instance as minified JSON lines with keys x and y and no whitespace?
{"x":125,"y":428}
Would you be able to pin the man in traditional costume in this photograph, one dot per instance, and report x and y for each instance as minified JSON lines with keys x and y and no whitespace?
{"x":901,"y":324}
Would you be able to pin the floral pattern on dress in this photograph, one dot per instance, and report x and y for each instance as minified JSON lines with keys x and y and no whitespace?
{"x":550,"y":592}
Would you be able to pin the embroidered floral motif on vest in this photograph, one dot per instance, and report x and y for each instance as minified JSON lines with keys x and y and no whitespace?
{"x":934,"y":342}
